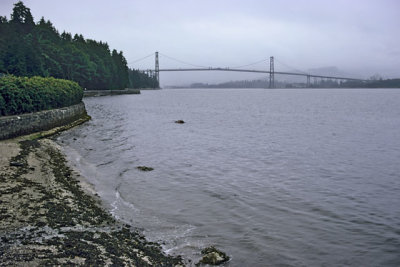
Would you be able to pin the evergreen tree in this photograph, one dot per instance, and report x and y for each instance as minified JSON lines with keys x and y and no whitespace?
{"x":29,"y":49}
{"x":22,"y":15}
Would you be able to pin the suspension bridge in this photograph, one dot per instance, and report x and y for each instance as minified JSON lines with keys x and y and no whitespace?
{"x":271,"y":71}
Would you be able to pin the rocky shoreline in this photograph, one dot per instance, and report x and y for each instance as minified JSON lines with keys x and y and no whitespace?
{"x":49,"y":216}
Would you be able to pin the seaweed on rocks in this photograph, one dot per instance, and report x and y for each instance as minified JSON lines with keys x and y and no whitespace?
{"x":48,"y":219}
{"x":213,"y":256}
{"x":145,"y":168}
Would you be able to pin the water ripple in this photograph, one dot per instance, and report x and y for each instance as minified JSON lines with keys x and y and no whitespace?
{"x":273,"y":177}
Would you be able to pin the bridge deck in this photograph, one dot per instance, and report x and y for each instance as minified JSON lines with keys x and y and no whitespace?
{"x":265,"y":71}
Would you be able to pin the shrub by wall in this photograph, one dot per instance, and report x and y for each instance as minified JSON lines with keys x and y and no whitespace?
{"x":25,"y":95}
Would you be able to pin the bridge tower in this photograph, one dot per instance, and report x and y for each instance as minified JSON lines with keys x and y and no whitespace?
{"x":308,"y":81}
{"x":157,"y":70}
{"x":271,"y":73}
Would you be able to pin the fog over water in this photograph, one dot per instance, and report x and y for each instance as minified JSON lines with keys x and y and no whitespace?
{"x":272,"y":177}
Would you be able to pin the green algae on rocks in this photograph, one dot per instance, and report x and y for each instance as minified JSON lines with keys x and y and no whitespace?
{"x":144,"y":168}
{"x":213,"y":256}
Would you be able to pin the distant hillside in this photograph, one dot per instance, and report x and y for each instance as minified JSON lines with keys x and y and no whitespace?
{"x":321,"y":83}
{"x":389,"y":83}
{"x":234,"y":84}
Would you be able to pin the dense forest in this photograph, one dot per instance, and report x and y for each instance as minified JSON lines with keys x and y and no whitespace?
{"x":138,"y":79}
{"x":263,"y":83}
{"x":38,"y":49}
{"x":389,"y":83}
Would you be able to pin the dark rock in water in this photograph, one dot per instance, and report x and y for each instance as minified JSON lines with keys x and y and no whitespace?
{"x":213,"y":256}
{"x":179,"y":121}
{"x":144,"y":168}
{"x":16,"y":164}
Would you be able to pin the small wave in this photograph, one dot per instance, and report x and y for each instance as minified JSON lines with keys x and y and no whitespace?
{"x":105,"y":163}
{"x":121,"y":173}
{"x":118,"y":203}
{"x":178,"y":239}
{"x":114,"y":209}
{"x":128,"y":148}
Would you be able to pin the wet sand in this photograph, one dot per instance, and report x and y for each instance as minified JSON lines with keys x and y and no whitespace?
{"x":50,"y":216}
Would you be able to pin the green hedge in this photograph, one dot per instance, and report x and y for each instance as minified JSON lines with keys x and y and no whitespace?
{"x":24,"y":95}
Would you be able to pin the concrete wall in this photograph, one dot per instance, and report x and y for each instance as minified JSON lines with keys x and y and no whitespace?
{"x":13,"y":126}
{"x":128,"y":91}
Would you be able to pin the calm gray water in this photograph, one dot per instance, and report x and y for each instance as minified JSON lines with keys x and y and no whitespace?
{"x":272,"y":177}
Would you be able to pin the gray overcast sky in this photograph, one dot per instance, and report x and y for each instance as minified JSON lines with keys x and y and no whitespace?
{"x":360,"y":37}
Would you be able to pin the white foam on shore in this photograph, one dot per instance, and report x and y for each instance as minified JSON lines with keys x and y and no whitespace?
{"x":114,"y":209}
{"x":174,"y":239}
{"x":119,"y":203}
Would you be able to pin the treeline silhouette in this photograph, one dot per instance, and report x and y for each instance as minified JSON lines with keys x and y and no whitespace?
{"x":322,"y":83}
{"x":388,"y":83}
{"x":38,"y":49}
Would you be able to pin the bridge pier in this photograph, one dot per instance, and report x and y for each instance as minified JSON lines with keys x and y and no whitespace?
{"x":157,"y":69}
{"x":271,"y":73}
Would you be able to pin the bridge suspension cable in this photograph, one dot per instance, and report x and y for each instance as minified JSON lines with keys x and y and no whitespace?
{"x":140,"y":59}
{"x":291,"y":68}
{"x":251,"y":64}
{"x":181,"y":61}
{"x":271,"y":70}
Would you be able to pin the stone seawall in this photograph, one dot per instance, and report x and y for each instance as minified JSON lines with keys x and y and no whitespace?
{"x":128,"y":91}
{"x":13,"y":126}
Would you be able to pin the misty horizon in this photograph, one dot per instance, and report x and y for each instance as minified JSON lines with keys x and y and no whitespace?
{"x":359,"y":38}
